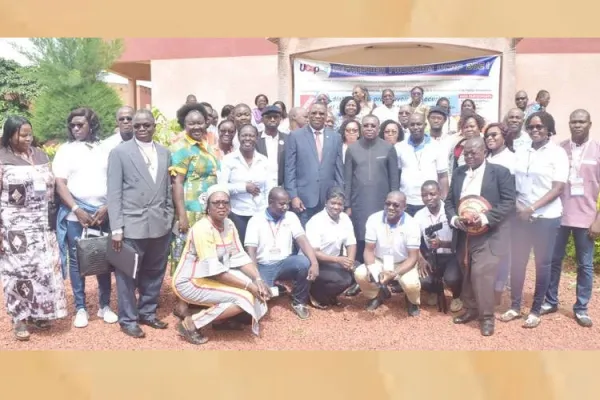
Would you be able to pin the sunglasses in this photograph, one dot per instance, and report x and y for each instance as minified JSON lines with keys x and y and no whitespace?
{"x":538,"y":127}
{"x":392,"y":204}
{"x":145,"y":126}
{"x":493,"y":134}
{"x":122,"y":119}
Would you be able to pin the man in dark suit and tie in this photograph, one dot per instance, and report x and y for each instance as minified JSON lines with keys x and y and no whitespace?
{"x":481,"y":253}
{"x":271,"y":144}
{"x":140,"y":209}
{"x":313,"y":164}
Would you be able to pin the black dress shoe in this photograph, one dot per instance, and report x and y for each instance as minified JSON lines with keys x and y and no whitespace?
{"x":153,"y":323}
{"x":486,"y":326}
{"x":465,"y":318}
{"x":353,"y":291}
{"x":134,"y":331}
{"x":374,"y":304}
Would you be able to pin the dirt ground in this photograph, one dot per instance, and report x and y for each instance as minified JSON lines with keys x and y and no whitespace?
{"x":348,"y":328}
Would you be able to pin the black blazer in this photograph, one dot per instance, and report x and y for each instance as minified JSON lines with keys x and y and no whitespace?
{"x":261,"y":147}
{"x":498,"y":188}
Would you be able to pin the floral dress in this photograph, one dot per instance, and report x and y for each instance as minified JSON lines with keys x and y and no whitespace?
{"x":30,"y":266}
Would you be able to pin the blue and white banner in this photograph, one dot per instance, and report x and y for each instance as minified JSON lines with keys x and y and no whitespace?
{"x":477,"y":79}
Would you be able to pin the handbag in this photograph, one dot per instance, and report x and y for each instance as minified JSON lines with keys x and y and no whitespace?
{"x":91,"y":254}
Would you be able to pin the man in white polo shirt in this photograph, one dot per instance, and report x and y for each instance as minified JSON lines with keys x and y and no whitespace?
{"x":269,"y":239}
{"x":420,"y":159}
{"x":391,"y":252}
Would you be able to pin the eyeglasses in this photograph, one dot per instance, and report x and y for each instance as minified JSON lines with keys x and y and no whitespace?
{"x":493,"y":134}
{"x":351,"y":130}
{"x":538,"y":127}
{"x":121,"y":119}
{"x":392,"y":204}
{"x":145,"y":126}
{"x":220,"y":203}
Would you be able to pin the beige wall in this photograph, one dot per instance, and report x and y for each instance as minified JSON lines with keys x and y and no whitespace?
{"x":219,"y":81}
{"x":570,"y":79}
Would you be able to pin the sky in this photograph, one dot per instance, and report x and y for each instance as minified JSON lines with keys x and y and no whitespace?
{"x":7,"y":51}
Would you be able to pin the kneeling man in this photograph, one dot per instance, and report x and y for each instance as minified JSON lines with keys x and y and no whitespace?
{"x":392,"y":242}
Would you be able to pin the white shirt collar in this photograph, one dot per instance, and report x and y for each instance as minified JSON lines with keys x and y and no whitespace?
{"x":147,"y":145}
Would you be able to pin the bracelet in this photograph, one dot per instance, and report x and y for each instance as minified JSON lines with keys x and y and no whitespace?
{"x":75,"y":208}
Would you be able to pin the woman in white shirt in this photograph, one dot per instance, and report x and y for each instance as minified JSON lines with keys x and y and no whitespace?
{"x":80,"y":168}
{"x":499,"y":145}
{"x":245,"y":174}
{"x":331,"y":235}
{"x":541,"y":173}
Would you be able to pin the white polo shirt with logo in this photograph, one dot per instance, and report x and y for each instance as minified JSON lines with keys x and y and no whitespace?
{"x":419,"y":164}
{"x":393,"y":240}
{"x":329,"y":236}
{"x":273,"y":239}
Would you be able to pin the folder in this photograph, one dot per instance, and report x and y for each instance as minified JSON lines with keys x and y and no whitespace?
{"x":126,"y":260}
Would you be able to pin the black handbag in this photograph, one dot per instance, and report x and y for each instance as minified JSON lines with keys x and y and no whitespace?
{"x":91,"y":255}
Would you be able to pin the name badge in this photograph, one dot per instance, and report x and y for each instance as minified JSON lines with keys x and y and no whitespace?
{"x":388,"y":263}
{"x":39,"y":185}
{"x":576,"y":186}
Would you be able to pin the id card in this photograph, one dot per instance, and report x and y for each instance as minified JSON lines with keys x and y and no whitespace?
{"x":39,"y":185}
{"x":388,"y":263}
{"x":576,"y":187}
{"x":275,"y":291}
{"x":375,"y":270}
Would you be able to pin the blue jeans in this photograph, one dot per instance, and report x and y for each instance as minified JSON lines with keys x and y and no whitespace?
{"x":541,"y":235}
{"x":584,"y":252}
{"x":293,"y":268}
{"x":74,"y":231}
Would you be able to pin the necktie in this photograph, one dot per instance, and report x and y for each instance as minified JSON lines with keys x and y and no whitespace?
{"x":319,"y":145}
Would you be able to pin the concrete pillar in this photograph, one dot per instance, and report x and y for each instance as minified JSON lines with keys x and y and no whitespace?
{"x":132,"y":93}
{"x":508,"y":85}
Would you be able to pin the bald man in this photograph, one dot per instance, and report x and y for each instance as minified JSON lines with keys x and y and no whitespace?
{"x":515,"y":118}
{"x":521,"y":100}
{"x":393,"y":240}
{"x":480,"y":255}
{"x":298,"y":117}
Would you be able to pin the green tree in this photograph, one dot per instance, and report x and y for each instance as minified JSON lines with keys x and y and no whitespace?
{"x":18,"y":88}
{"x":70,"y":71}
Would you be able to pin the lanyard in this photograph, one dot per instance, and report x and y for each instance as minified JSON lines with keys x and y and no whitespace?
{"x":419,"y":158}
{"x":275,"y":231}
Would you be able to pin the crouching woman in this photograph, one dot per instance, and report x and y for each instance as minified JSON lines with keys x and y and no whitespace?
{"x":216,"y":272}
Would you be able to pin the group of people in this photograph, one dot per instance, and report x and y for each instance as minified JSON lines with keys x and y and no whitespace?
{"x":314,"y":204}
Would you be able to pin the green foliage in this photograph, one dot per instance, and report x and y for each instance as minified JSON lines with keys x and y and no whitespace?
{"x":167,"y":131}
{"x":70,"y":71}
{"x":18,"y":88}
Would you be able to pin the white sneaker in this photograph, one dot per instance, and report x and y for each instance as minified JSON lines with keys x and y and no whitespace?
{"x":81,"y":319}
{"x":107,"y":315}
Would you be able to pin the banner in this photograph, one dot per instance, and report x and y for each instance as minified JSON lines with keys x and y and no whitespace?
{"x":477,"y":79}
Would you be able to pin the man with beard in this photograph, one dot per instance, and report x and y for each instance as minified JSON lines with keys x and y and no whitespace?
{"x":515,"y":119}
{"x":370,"y":173}
{"x":271,"y":144}
{"x":420,"y":158}
{"x":298,"y":117}
{"x":313,"y":164}
{"x":521,"y":100}
{"x":387,"y":111}
{"x":479,"y":255}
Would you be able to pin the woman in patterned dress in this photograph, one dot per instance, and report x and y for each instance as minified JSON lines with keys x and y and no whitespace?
{"x":194,"y":167}
{"x":30,"y":268}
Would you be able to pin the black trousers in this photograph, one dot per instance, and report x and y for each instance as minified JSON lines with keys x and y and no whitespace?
{"x":452,"y":275}
{"x":332,"y":281}
{"x":241,"y":223}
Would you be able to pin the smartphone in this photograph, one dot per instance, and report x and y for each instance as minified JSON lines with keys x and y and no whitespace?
{"x":274,"y":291}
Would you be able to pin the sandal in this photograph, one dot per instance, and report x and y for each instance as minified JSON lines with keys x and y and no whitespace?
{"x":193,"y":337}
{"x":228,"y":325}
{"x":532,"y":321}
{"x":40,"y":324}
{"x":21,"y":332}
{"x":509,"y":316}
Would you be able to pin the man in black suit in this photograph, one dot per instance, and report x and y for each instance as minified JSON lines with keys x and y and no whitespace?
{"x":271,"y":143}
{"x":483,"y":252}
